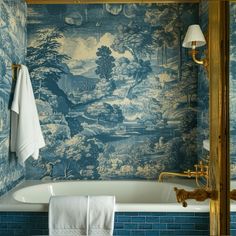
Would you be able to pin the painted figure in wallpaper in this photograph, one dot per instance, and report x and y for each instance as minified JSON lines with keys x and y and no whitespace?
{"x":116,"y":94}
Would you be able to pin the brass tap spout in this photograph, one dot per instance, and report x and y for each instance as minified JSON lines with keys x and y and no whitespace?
{"x":197,"y":194}
{"x":187,"y":174}
{"x":201,"y":170}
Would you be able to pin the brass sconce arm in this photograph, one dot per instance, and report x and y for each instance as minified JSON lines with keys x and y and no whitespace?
{"x":194,"y":52}
{"x":198,"y":194}
{"x":203,"y":61}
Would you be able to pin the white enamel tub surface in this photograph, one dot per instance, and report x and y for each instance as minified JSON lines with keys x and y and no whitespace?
{"x":142,"y":196}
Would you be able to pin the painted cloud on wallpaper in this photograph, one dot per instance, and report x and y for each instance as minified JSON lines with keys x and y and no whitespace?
{"x":12,"y":50}
{"x":116,"y":94}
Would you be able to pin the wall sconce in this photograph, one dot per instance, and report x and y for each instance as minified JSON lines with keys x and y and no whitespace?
{"x":194,"y":38}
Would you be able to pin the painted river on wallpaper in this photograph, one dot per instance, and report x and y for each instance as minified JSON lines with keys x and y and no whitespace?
{"x":116,"y":93}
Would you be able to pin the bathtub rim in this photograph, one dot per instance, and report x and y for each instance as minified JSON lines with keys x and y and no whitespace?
{"x":8,"y":203}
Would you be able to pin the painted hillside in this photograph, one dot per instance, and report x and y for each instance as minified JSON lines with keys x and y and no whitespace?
{"x":116,"y":92}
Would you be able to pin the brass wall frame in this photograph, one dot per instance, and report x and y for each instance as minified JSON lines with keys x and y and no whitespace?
{"x":106,"y":1}
{"x":219,"y":116}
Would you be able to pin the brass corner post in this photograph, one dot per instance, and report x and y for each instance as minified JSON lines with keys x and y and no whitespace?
{"x":219,"y":118}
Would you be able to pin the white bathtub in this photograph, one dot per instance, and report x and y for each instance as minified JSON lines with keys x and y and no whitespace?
{"x":131,"y":196}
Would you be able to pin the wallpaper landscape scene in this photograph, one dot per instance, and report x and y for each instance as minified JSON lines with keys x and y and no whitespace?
{"x":12,"y":50}
{"x":116,"y":93}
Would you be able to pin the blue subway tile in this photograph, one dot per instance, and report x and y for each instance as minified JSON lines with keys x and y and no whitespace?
{"x":154,"y":219}
{"x":232,"y":225}
{"x":6,"y":232}
{"x":122,"y":232}
{"x":119,"y":225}
{"x":137,"y":233}
{"x":124,"y":219}
{"x":232,"y":232}
{"x":159,"y":226}
{"x":167,"y":219}
{"x":202,"y":226}
{"x":188,"y":226}
{"x":145,"y":226}
{"x":190,"y":233}
{"x":167,"y":233}
{"x":130,"y":226}
{"x":3,"y":225}
{"x":138,"y":219}
{"x":180,"y":214}
{"x":191,"y":220}
{"x":152,"y":233}
{"x":173,"y":226}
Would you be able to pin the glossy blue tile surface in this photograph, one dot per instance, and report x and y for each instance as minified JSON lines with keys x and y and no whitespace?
{"x":26,"y":224}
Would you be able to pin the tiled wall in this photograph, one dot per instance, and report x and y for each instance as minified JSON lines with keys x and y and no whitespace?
{"x":127,"y":224}
{"x":12,"y":50}
{"x":116,"y":92}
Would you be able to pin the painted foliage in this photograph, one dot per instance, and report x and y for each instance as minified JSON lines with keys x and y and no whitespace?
{"x":12,"y":50}
{"x":116,"y":93}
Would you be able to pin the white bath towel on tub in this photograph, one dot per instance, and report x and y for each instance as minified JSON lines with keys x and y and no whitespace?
{"x":26,"y":134}
{"x":68,"y":216}
{"x":101,"y":215}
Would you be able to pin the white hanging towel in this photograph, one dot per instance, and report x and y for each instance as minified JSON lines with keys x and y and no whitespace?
{"x":26,"y":134}
{"x":68,"y":216}
{"x":101,"y":215}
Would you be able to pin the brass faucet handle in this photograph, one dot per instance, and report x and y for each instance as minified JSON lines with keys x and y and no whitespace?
{"x":188,"y":172}
{"x":198,"y":194}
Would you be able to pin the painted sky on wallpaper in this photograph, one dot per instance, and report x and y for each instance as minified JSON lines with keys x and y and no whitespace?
{"x":12,"y":50}
{"x":115,"y":90}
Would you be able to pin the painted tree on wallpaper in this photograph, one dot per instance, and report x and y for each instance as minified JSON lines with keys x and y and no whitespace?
{"x":12,"y":50}
{"x":112,"y":100}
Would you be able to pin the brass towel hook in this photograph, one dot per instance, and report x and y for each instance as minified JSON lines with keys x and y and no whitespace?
{"x":14,"y":67}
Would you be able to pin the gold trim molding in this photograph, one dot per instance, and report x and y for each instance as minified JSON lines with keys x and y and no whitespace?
{"x":106,"y":1}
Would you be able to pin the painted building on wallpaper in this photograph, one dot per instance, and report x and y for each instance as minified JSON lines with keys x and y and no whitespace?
{"x":12,"y":50}
{"x":116,"y":93}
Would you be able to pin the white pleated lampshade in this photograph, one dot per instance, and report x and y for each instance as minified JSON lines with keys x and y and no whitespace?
{"x":194,"y":34}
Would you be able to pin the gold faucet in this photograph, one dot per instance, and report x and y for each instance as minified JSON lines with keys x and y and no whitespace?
{"x":201,"y":170}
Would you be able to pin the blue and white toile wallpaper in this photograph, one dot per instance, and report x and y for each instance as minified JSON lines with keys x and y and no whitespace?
{"x":232,"y":83}
{"x":116,"y":93}
{"x":12,"y":50}
{"x":203,"y":89}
